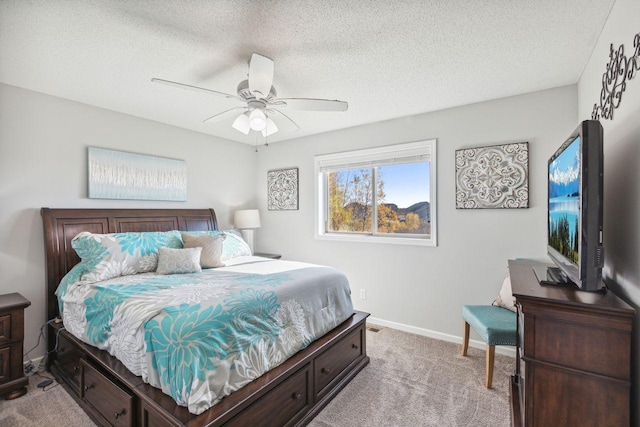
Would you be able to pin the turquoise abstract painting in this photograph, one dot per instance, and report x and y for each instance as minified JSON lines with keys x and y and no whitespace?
{"x":121,"y":175}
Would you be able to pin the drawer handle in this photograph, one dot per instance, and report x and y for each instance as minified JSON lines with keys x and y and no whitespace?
{"x":296,"y":396}
{"x":88,"y":387}
{"x":325,"y":371}
{"x":119,"y":414}
{"x":75,"y":368}
{"x":353,"y":346}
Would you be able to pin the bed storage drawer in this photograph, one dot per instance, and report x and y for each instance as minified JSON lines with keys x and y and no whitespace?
{"x":113,"y":403}
{"x":280,"y":406}
{"x":68,"y":363}
{"x":329,"y":365}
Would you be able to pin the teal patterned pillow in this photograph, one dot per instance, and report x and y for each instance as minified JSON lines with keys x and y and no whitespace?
{"x":106,"y":256}
{"x":233,"y":246}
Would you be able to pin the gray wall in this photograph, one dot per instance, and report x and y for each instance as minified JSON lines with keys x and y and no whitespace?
{"x":43,"y":162}
{"x":422,"y":289}
{"x":621,"y":170}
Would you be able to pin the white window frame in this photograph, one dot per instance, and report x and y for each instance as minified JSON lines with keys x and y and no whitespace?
{"x":379,"y":156}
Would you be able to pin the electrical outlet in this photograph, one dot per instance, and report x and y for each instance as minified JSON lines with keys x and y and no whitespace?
{"x":28,"y":368}
{"x":363,"y":294}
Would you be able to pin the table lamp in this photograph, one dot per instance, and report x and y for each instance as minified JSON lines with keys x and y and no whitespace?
{"x":246,"y":220}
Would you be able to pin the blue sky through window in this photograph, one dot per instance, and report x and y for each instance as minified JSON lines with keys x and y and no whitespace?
{"x":406,"y":184}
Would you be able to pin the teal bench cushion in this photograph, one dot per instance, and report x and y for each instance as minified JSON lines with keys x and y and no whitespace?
{"x":495,"y":325}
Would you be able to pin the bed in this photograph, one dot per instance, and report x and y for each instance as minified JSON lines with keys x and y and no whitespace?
{"x":291,"y":393}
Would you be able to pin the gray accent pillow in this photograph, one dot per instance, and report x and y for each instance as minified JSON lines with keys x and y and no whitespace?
{"x":211,"y":245}
{"x":179,"y":261}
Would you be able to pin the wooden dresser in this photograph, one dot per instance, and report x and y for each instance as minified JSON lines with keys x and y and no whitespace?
{"x":13,"y":382}
{"x":573,"y":365}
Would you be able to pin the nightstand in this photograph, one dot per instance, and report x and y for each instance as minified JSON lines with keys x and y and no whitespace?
{"x":266,"y":255}
{"x":13,"y":382}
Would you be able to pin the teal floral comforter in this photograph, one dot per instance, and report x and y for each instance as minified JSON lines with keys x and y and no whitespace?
{"x":199,"y":337}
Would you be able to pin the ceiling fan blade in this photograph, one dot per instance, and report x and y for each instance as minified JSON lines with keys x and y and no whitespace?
{"x":224,"y":115}
{"x":311,"y":104}
{"x":260,"y":75}
{"x":195,"y":88}
{"x":286,"y":125}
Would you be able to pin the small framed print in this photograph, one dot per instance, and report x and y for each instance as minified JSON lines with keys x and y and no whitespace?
{"x":282,"y":189}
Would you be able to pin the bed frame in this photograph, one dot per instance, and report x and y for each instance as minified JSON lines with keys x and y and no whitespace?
{"x":289,"y":395}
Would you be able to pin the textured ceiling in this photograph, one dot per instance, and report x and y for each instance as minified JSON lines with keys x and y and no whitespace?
{"x":387,"y":59}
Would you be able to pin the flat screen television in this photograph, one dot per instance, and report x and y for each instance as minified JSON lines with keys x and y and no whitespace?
{"x":574,"y":208}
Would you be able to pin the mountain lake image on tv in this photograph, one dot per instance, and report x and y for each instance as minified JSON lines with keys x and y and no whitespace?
{"x":564,"y":201}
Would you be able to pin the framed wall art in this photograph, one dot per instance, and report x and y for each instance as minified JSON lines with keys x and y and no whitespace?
{"x":121,"y":175}
{"x":282,"y":190}
{"x":493,"y":177}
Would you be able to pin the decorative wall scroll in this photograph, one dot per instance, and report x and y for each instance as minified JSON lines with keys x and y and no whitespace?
{"x":620,"y":69}
{"x":493,"y":177}
{"x":120,"y":175}
{"x":282,"y":189}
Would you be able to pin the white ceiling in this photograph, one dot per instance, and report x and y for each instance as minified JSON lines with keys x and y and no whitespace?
{"x":386,"y":58}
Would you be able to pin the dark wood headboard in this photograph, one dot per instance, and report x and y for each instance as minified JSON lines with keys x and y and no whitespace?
{"x":62,"y":225}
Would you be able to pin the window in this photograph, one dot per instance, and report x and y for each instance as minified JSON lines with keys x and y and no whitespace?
{"x":384,"y":194}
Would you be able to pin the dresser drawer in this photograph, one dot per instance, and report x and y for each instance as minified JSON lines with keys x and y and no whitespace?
{"x":280,"y":406}
{"x":68,"y":362}
{"x":112,"y":402}
{"x":328,"y":366}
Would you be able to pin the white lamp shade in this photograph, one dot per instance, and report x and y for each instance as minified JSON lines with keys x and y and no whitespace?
{"x":242,"y":123}
{"x":270,"y":129}
{"x":257,"y":119}
{"x":248,"y":218}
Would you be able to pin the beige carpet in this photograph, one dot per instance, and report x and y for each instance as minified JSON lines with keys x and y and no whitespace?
{"x":51,"y":407}
{"x":411,"y":381}
{"x":417,"y":381}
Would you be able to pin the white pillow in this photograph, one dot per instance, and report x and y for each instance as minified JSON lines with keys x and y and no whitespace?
{"x":179,"y":261}
{"x":505,"y":298}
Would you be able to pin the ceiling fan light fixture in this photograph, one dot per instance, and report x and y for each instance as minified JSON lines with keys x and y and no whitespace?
{"x":241,"y":124}
{"x":270,"y":128}
{"x":257,"y":120}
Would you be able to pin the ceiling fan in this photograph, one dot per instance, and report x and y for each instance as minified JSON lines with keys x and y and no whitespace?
{"x":261,"y":101}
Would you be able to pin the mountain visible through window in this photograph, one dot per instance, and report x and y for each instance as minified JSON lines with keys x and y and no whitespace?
{"x":400,"y":193}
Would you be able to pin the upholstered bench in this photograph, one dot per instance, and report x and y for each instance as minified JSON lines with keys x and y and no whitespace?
{"x":495,"y":325}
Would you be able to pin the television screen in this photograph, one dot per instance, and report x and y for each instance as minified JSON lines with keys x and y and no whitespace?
{"x":574,"y":223}
{"x":564,"y":202}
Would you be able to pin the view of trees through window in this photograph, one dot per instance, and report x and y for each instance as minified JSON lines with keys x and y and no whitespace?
{"x":400,"y":193}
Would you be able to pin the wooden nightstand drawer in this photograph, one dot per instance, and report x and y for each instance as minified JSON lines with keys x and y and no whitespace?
{"x":328,"y":366}
{"x":5,"y":328}
{"x":12,"y":379}
{"x":5,"y":364}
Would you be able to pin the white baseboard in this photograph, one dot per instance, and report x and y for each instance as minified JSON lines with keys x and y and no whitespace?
{"x":506,"y":350}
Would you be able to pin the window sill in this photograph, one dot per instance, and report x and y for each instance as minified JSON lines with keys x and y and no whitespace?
{"x":366,"y":238}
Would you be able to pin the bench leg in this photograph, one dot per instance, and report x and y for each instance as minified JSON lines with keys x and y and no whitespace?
{"x":491,"y":353}
{"x":465,"y":339}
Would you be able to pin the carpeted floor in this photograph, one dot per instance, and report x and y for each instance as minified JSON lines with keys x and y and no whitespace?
{"x":417,"y":381}
{"x":411,"y":381}
{"x":50,"y":407}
